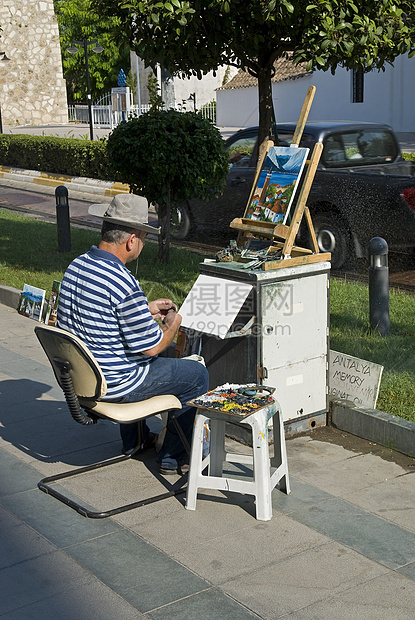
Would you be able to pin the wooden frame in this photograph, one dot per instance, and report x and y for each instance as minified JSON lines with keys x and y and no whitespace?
{"x":282,"y":237}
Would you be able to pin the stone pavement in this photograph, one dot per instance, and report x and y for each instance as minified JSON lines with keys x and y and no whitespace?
{"x":342,"y":545}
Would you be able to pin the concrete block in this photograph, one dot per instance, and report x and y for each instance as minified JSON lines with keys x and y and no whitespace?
{"x":377,"y":426}
{"x":9,"y":296}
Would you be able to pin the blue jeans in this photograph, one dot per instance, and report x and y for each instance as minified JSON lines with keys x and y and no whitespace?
{"x":186,"y":379}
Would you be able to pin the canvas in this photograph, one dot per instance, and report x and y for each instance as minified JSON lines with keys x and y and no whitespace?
{"x":53,"y":303}
{"x":31,"y":302}
{"x":274,"y":193}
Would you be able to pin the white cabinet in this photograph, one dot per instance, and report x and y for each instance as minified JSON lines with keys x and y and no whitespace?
{"x":285,"y":331}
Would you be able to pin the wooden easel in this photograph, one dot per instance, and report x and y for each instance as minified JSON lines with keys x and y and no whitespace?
{"x":283,"y":236}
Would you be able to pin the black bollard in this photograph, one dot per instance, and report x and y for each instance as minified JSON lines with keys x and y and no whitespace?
{"x":62,"y":219}
{"x":379,"y":285}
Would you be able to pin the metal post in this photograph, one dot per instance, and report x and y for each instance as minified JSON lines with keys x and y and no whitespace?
{"x":379,"y":285}
{"x":192,"y":97}
{"x":88,"y":91}
{"x":4,"y":59}
{"x":62,"y":219}
{"x":97,"y":49}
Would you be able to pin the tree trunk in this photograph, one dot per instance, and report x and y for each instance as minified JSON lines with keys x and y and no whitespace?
{"x":164,"y":237}
{"x":265,"y":107}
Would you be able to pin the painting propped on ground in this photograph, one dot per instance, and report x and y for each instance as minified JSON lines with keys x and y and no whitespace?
{"x":31,"y":302}
{"x":273,"y":196}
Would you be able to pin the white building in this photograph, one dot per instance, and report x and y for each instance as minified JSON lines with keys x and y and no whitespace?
{"x":204,"y":89}
{"x":186,"y":90}
{"x":384,"y":97}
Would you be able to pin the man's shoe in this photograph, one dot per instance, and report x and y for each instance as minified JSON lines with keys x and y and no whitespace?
{"x":150,"y":442}
{"x":173,"y":471}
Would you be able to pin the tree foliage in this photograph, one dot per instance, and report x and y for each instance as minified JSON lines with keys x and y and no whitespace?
{"x":169,"y":157}
{"x":196,"y":36}
{"x":77,"y":20}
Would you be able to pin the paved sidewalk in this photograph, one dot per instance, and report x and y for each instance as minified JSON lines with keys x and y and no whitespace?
{"x":81,"y":130}
{"x":342,"y":545}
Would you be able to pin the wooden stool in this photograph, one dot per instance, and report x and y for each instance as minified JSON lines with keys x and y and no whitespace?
{"x":263,"y":480}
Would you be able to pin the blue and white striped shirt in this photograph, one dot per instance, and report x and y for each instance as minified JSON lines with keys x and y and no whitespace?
{"x":104,"y":305}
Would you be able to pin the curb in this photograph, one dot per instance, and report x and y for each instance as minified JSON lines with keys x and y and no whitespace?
{"x":9,"y":296}
{"x":79,"y":184}
{"x":382,"y":428}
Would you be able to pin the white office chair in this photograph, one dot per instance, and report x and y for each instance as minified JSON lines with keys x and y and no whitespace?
{"x":83,"y":384}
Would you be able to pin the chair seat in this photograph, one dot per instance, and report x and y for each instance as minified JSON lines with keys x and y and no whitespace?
{"x":130,"y":412}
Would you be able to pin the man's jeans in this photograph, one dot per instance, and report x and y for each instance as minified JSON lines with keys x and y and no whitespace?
{"x":186,"y":379}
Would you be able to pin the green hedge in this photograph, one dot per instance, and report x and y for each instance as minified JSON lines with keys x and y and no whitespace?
{"x":70,"y":156}
{"x":409,"y":156}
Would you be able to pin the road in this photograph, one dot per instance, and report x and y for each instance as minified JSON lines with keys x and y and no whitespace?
{"x":41,"y":204}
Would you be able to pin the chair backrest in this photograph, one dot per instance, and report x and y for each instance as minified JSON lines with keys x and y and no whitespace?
{"x":87,"y":378}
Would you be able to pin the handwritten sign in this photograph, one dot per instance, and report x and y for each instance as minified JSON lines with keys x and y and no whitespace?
{"x":354,"y":379}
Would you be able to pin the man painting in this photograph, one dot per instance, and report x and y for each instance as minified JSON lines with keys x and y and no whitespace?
{"x":103,"y":304}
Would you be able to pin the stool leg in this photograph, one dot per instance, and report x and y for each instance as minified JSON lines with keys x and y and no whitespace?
{"x":262,"y":471}
{"x":280,"y":452}
{"x":196,"y":457}
{"x":217,"y":447}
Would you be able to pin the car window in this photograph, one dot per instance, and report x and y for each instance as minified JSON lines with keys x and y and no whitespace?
{"x":240,"y":152}
{"x":285,"y":138}
{"x":355,"y":148}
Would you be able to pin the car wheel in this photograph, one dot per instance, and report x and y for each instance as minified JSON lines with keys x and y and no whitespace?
{"x":332,"y":236}
{"x":181,"y":223}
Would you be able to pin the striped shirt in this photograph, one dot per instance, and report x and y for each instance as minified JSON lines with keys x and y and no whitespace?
{"x":104,"y":305}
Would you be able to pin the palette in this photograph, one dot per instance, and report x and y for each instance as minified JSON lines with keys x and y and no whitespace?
{"x":236,"y":399}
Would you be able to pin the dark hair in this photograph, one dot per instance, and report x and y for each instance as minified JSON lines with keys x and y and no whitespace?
{"x":116,"y":233}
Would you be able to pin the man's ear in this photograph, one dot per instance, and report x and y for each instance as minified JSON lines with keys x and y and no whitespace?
{"x":130,"y":241}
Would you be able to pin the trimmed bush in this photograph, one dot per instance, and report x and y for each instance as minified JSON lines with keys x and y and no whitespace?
{"x":409,"y":156}
{"x":69,"y":156}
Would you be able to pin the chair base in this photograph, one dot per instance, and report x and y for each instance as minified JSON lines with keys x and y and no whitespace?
{"x":263,"y":480}
{"x":44,"y":485}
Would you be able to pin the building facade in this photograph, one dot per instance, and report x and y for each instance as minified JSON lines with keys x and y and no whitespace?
{"x":32,"y":87}
{"x":379,"y":96}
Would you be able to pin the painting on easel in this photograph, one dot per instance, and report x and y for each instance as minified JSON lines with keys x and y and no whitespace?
{"x":273,"y":195}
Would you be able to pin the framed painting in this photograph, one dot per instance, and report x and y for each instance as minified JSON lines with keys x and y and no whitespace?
{"x":274,"y":193}
{"x":31,"y":302}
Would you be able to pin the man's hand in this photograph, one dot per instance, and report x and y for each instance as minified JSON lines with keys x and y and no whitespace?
{"x":171,"y":320}
{"x":160,"y":307}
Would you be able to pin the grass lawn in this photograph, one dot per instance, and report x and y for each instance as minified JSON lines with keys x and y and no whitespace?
{"x":350,"y":333}
{"x":28,"y":254}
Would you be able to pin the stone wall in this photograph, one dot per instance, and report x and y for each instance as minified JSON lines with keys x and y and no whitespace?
{"x":32,"y":87}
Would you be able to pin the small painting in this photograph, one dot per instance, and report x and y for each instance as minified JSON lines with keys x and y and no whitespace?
{"x":52,"y":309}
{"x":277,"y":184}
{"x":31,"y":302}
